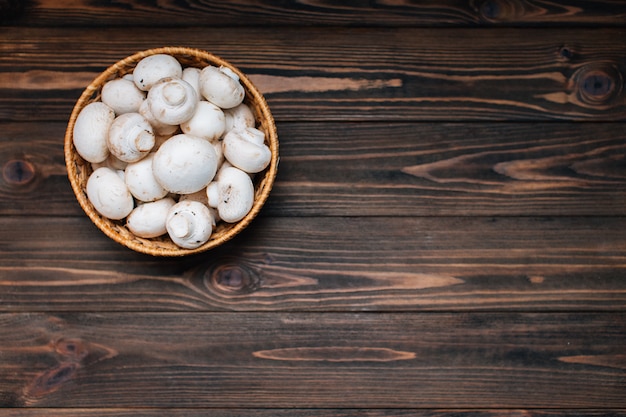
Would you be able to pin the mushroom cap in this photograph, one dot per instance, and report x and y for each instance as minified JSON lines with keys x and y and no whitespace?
{"x":207,"y":122}
{"x":219,"y":152}
{"x":141,"y":182}
{"x":91,"y":130}
{"x":239,"y":117}
{"x":159,"y":128}
{"x":155,"y":67}
{"x":236,"y":194}
{"x":108,"y":194}
{"x":122,"y":95}
{"x":192,"y":76}
{"x":111,"y":162}
{"x":221,"y":87}
{"x":189,"y":224}
{"x":246,"y":150}
{"x":148,"y":220}
{"x":172,"y":101}
{"x":201,"y":197}
{"x":131,"y":137}
{"x":184,"y":164}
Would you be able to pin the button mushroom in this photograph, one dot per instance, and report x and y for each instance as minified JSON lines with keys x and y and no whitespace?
{"x":189,"y":224}
{"x":122,"y":95}
{"x":246,"y":150}
{"x":130,"y":137}
{"x":159,"y":128}
{"x":219,"y":152}
{"x":184,"y":164}
{"x":207,"y":122}
{"x":155,"y":67}
{"x":201,"y":197}
{"x":91,"y":130}
{"x":148,"y":220}
{"x":109,"y":194}
{"x":221,"y":86}
{"x":192,"y":76}
{"x":232,"y":194}
{"x":111,"y":162}
{"x":239,"y":117}
{"x":141,"y":182}
{"x":172,"y":101}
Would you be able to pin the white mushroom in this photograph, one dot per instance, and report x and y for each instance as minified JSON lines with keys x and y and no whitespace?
{"x":148,"y":220}
{"x":219,"y":152}
{"x":159,"y":128}
{"x":91,"y":130}
{"x":197,"y":196}
{"x":109,"y":194}
{"x":246,"y":149}
{"x":130,"y":137}
{"x":111,"y":162}
{"x":122,"y":95}
{"x":207,"y":122}
{"x":232,"y":194}
{"x":155,"y":67}
{"x":140,"y":180}
{"x":201,"y":197}
{"x":172,"y":101}
{"x":239,"y":117}
{"x":184,"y":164}
{"x":192,"y":76}
{"x":221,"y":86}
{"x":189,"y":224}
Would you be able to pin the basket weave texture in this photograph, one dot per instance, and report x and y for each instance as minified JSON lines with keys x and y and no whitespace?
{"x":79,"y":170}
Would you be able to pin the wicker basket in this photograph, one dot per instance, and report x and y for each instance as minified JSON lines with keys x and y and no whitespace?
{"x":79,"y":169}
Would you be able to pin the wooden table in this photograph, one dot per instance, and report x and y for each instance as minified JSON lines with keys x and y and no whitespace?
{"x":446,"y":235}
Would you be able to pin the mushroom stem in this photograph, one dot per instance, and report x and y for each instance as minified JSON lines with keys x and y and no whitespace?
{"x":174,"y":94}
{"x":144,"y":141}
{"x":179,"y":225}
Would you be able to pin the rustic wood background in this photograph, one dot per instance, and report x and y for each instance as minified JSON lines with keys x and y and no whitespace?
{"x":446,"y":235}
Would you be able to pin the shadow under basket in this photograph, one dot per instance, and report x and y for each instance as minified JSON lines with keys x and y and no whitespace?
{"x":79,"y":170}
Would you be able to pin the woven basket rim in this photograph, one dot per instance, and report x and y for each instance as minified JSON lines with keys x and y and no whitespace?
{"x":156,"y":247}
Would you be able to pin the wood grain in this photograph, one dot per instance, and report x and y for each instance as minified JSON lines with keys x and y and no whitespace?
{"x":446,"y":236}
{"x":211,"y":360}
{"x":325,"y":264}
{"x":379,"y":169}
{"x":314,"y":412}
{"x":347,"y":74}
{"x":319,"y":13}
{"x":450,"y":169}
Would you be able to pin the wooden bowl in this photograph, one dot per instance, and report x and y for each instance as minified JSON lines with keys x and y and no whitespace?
{"x":79,"y":170}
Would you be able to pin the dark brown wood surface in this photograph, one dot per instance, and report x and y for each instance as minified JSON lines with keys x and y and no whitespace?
{"x":360,"y":74}
{"x":446,"y":235}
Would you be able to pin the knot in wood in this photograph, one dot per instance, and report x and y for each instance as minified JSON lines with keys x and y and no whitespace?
{"x":50,"y":381}
{"x":233,"y":278}
{"x":598,"y":84}
{"x":566,"y":53}
{"x":18,"y":172}
{"x":71,"y":350}
{"x":500,"y":10}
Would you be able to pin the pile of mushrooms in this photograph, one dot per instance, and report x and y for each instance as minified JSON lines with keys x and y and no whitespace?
{"x":173,"y":150}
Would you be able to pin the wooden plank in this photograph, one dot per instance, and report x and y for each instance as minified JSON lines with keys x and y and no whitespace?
{"x":274,"y":360}
{"x":380,"y":169}
{"x":347,"y":74}
{"x":425,"y":169}
{"x":325,"y":264}
{"x":238,"y":13}
{"x":295,"y":412}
